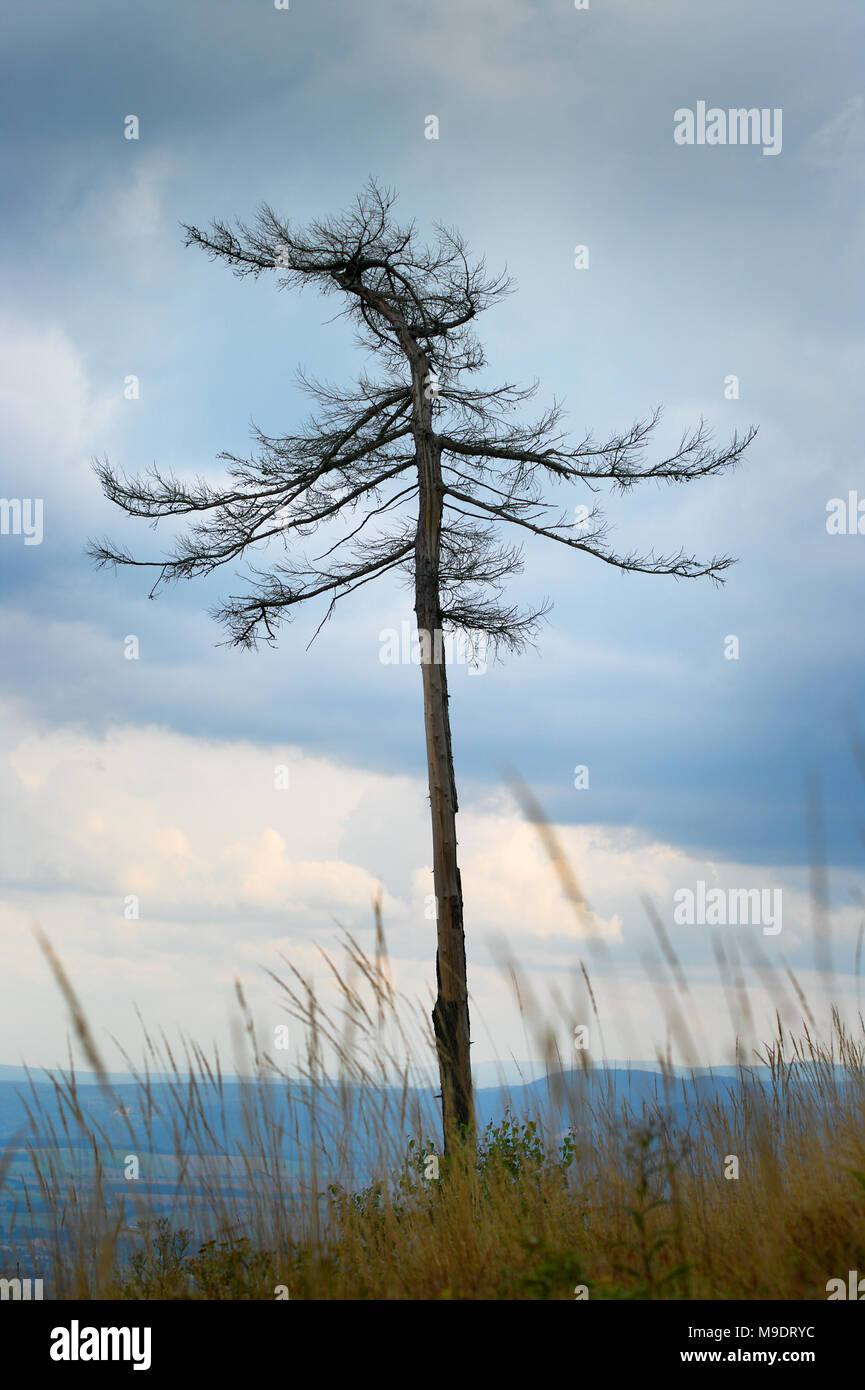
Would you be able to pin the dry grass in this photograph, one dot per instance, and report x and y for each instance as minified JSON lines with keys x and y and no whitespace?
{"x":624,"y":1203}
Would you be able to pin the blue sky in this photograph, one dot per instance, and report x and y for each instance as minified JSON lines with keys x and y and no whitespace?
{"x":555,"y":129}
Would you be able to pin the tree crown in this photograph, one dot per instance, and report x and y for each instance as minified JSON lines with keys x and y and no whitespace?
{"x":412,"y":304}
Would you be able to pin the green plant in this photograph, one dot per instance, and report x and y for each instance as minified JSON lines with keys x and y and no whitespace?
{"x":650,"y":1165}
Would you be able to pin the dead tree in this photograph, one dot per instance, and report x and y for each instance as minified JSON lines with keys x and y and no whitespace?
{"x":437,"y":464}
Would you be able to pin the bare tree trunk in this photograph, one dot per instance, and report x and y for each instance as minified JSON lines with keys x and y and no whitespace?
{"x":451,"y":1012}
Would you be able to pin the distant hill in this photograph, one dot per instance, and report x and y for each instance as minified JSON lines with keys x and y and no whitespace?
{"x":563,"y":1097}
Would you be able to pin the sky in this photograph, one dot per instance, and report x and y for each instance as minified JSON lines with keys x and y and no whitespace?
{"x":155,"y":778}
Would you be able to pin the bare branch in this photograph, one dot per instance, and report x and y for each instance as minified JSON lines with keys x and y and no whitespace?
{"x":680,"y":565}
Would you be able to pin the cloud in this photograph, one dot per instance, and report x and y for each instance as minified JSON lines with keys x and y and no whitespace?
{"x":49,"y":413}
{"x":234,"y":855}
{"x":124,"y":214}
